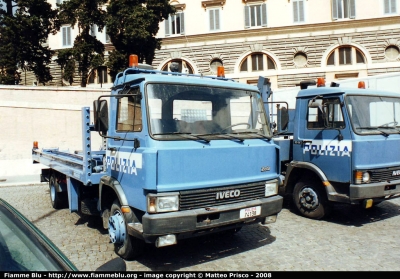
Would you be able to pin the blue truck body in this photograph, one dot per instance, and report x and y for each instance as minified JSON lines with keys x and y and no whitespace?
{"x":339,"y":145}
{"x":183,"y":156}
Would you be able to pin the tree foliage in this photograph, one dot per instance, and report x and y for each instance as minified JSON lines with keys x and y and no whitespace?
{"x":87,"y":50}
{"x":25,"y":26}
{"x":132,"y":26}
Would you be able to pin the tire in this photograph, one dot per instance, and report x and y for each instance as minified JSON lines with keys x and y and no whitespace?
{"x":125,"y":246}
{"x":58,"y":199}
{"x":310,"y":200}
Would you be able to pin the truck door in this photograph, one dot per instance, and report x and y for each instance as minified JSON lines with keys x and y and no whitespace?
{"x":326,"y":139}
{"x":124,"y":155}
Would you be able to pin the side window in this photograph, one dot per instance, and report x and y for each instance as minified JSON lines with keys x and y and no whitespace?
{"x":66,"y":36}
{"x":214,"y":19}
{"x":389,"y":7}
{"x":298,"y":11}
{"x":255,"y":15}
{"x":130,"y":113}
{"x":175,"y":24}
{"x":328,"y":116}
{"x":343,"y":9}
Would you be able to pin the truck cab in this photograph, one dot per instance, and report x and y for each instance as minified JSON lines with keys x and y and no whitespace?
{"x":339,"y":145}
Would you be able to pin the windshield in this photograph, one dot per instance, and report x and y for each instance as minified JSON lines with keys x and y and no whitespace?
{"x":374,"y":114}
{"x":178,"y":111}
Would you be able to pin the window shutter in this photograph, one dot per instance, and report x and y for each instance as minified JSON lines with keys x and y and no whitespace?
{"x":246,"y":17}
{"x":167,"y":32}
{"x":217,"y":27}
{"x":264,"y":14}
{"x":301,"y":11}
{"x":64,"y":36}
{"x":393,"y":7}
{"x":352,"y":8}
{"x":69,"y":36}
{"x":211,"y":18}
{"x":295,"y":11}
{"x":386,"y":6}
{"x":335,"y":9}
{"x":182,"y":23}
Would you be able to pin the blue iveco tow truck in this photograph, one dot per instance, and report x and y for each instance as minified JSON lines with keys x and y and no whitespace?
{"x":338,"y":145}
{"x":184,"y":155}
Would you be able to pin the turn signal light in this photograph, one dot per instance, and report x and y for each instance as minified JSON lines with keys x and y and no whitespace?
{"x":133,"y":60}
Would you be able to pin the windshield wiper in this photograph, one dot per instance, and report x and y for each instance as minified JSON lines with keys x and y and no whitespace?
{"x":184,"y":135}
{"x":253,"y":133}
{"x":226,"y":136}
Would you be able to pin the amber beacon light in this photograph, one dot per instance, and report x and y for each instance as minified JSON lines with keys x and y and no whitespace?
{"x":220,"y":71}
{"x":133,"y":60}
{"x":361,"y":84}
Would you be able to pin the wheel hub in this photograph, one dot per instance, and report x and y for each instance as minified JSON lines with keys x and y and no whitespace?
{"x":116,"y":228}
{"x":308,"y":198}
{"x":52,"y":193}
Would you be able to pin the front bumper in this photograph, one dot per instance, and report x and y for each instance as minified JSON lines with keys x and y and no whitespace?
{"x":191,"y":223}
{"x":383,"y":190}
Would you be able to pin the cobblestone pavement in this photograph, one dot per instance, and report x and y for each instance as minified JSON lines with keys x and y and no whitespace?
{"x":352,"y":239}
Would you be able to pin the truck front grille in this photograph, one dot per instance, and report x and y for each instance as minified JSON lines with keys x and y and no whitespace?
{"x":193,"y":199}
{"x":386,"y":174}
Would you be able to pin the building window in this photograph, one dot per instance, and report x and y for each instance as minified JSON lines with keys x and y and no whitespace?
{"x":215,"y":63}
{"x":214,"y":19}
{"x":102,"y":76}
{"x":300,"y":59}
{"x":392,"y":52}
{"x":60,"y":1}
{"x":343,"y":9}
{"x":257,"y":62}
{"x":298,"y":11}
{"x":346,"y":55}
{"x":174,"y":25}
{"x":66,"y":36}
{"x":183,"y":67}
{"x":255,"y":15}
{"x":390,"y":6}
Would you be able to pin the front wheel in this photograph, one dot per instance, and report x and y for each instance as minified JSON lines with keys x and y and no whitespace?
{"x":310,"y":200}
{"x":125,"y":245}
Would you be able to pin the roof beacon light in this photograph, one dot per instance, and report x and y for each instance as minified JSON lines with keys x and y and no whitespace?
{"x":133,"y":60}
{"x":361,"y":84}
{"x":221,"y":71}
{"x":320,"y":82}
{"x":35,"y":145}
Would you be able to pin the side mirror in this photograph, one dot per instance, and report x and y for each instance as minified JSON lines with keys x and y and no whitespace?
{"x":100,"y":110}
{"x":315,"y":103}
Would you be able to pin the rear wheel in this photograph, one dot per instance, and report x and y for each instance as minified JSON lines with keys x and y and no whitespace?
{"x":310,"y":200}
{"x":125,"y":245}
{"x":58,"y":199}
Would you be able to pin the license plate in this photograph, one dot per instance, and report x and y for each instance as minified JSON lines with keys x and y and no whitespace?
{"x":250,"y":212}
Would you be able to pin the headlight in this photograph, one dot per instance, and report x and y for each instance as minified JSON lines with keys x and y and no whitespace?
{"x":271,"y":188}
{"x":165,"y":203}
{"x":362,"y":177}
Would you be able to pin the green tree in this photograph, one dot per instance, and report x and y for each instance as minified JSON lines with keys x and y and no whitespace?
{"x":86,"y":15}
{"x":25,"y":26}
{"x":132,"y":26}
{"x":66,"y":61}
